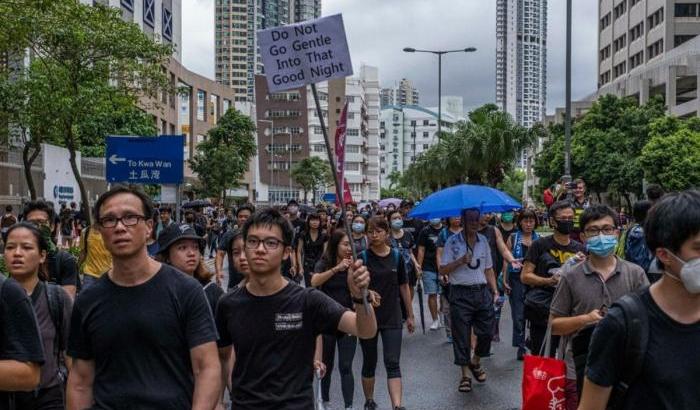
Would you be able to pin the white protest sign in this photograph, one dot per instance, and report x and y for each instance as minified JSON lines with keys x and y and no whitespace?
{"x":305,"y":53}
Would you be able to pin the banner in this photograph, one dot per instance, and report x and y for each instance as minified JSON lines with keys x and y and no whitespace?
{"x":341,"y":132}
{"x":347,"y":195}
{"x":305,"y":53}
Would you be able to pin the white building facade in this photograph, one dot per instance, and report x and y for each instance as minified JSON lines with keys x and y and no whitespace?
{"x":361,"y":144}
{"x":405,"y":132}
{"x":521,"y":61}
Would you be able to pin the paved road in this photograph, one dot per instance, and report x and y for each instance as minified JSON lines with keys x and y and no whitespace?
{"x":430,"y":378}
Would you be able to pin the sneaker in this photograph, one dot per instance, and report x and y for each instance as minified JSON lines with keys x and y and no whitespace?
{"x":370,"y":405}
{"x":435,"y":325}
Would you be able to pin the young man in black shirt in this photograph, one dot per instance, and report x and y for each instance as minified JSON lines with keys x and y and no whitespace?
{"x":272,"y":367}
{"x":669,"y":363}
{"x":242,"y":214}
{"x":21,"y":352}
{"x":143,"y":334}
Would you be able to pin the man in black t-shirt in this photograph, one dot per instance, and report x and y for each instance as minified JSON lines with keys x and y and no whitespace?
{"x":143,"y":334}
{"x":669,"y":363}
{"x":20,"y":344}
{"x":542,"y":269}
{"x":273,"y":366}
{"x":242,"y":214}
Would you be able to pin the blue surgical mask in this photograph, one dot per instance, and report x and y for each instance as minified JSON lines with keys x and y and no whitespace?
{"x":602,"y":245}
{"x":397,"y":224}
{"x":358,"y":227}
{"x":435,"y":221}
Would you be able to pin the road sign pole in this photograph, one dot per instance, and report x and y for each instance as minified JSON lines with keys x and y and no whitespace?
{"x":178,"y":202}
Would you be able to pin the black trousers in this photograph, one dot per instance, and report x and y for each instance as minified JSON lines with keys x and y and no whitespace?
{"x":391,"y":342}
{"x":347,"y":344}
{"x":537,"y":327}
{"x":49,"y":398}
{"x":471,"y":307}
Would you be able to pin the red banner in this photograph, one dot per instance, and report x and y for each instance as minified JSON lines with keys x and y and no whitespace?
{"x":347,"y":195}
{"x":341,"y":132}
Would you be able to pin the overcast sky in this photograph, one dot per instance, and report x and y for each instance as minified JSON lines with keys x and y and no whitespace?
{"x":378,"y":30}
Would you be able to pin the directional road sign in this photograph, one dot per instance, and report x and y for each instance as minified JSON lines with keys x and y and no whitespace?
{"x":145,"y":160}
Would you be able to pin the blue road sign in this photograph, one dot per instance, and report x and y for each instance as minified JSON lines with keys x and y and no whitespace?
{"x":145,"y":160}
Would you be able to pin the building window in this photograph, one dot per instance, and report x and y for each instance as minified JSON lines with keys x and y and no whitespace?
{"x":426,"y":134}
{"x":619,"y":69}
{"x":636,"y":31}
{"x":604,"y":78}
{"x":619,"y":10}
{"x":634,"y":2}
{"x":605,"y":53}
{"x":352,"y":166}
{"x":352,"y":149}
{"x":655,"y":49}
{"x":353,"y":132}
{"x":426,"y":122}
{"x":636,"y":60}
{"x":686,"y":10}
{"x":201,"y":100}
{"x":619,"y":43}
{"x":605,"y":21}
{"x":149,"y":12}
{"x":128,"y":4}
{"x":678,"y":40}
{"x":167,"y":24}
{"x":655,"y":19}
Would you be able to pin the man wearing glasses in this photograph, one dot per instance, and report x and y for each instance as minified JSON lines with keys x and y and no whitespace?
{"x":268,"y":328}
{"x":142,"y":336}
{"x":587,"y":289}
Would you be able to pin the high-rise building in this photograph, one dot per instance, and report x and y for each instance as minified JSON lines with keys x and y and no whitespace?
{"x":402,"y":94}
{"x":236,"y":51}
{"x":648,"y":48}
{"x":521,"y":61}
{"x":361,"y":144}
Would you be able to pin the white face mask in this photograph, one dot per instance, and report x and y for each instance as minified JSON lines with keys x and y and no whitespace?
{"x":690,"y":274}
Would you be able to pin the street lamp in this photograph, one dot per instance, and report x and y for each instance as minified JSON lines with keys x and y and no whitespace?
{"x":567,"y":117}
{"x":272,"y":157}
{"x":439,"y":53}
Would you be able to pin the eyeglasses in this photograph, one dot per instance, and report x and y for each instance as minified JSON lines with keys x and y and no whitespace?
{"x":270,"y":244}
{"x":126,"y":220}
{"x":594,"y":231}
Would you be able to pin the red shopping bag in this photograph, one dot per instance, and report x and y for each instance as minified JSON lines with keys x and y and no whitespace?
{"x":544,"y":380}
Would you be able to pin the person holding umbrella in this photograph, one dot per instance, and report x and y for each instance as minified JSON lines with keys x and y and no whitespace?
{"x":466,"y":259}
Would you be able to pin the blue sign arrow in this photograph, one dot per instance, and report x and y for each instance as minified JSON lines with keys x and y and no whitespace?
{"x":145,"y":160}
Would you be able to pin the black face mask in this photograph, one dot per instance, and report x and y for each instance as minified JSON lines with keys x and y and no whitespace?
{"x":564,"y":227}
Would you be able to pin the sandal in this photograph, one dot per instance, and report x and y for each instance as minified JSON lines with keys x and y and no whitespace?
{"x":478,"y":372}
{"x":465,"y":385}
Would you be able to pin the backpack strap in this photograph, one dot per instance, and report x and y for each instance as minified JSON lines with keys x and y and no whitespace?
{"x":55,"y":299}
{"x":636,"y":343}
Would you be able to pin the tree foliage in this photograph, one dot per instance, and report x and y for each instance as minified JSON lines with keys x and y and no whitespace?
{"x":93,"y":68}
{"x":672,"y":157}
{"x":513,"y":184}
{"x":222,"y":159}
{"x":312,"y":173}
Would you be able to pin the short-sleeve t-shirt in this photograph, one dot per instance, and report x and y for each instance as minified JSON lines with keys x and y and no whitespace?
{"x":337,"y":286}
{"x":274,"y":338}
{"x":19,"y":332}
{"x":671,"y":364}
{"x":428,"y":238}
{"x":40,"y":302}
{"x":140,"y":338}
{"x":63,"y":268}
{"x":387,"y":273}
{"x":473,"y":273}
{"x":546,"y":253}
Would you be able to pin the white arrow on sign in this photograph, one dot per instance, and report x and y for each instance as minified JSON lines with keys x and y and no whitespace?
{"x":114,"y":159}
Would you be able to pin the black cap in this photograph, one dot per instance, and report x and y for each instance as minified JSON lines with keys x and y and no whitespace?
{"x":174,"y":233}
{"x":292,"y":202}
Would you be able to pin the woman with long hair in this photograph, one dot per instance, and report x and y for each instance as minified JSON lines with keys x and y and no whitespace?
{"x":310,"y":247}
{"x":238,"y":258}
{"x":358,"y":227}
{"x":331,"y":277}
{"x":389,"y":280}
{"x":181,"y":248}
{"x":519,"y":243}
{"x":25,"y":254}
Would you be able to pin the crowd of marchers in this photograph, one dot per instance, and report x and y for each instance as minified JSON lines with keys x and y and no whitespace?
{"x":139,"y":321}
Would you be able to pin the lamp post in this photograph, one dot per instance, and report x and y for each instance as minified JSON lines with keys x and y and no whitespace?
{"x":567,"y":117}
{"x":440,"y":53}
{"x":272,"y":157}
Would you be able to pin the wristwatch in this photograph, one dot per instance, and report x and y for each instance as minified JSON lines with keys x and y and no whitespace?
{"x":358,"y":301}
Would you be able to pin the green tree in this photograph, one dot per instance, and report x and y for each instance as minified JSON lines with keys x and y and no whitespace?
{"x":673,"y":161}
{"x":513,"y":183}
{"x":312,"y":173}
{"x":222,"y":159}
{"x":89,"y":61}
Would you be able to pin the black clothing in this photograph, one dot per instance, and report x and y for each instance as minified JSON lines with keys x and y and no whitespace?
{"x":50,"y":398}
{"x":63,"y":268}
{"x":213,"y":293}
{"x":274,"y":363}
{"x":428,"y":238}
{"x":140,"y":338}
{"x":311,"y":253}
{"x":234,"y":277}
{"x":391,"y":351}
{"x":489,"y":232}
{"x":337,"y":286}
{"x":413,"y":225}
{"x":347,"y":344}
{"x":40,"y":303}
{"x":20,"y":339}
{"x":405,"y":245}
{"x":670,"y":365}
{"x":471,"y":307}
{"x":387,"y":274}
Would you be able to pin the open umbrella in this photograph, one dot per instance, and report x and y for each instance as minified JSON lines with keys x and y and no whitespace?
{"x":384,"y":203}
{"x":419,"y":290}
{"x":197,"y":203}
{"x":451,"y":201}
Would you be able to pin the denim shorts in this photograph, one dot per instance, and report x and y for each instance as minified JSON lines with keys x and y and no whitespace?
{"x":430,"y":283}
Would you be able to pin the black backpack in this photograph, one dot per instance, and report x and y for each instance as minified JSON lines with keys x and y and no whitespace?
{"x":636,"y":344}
{"x":55,"y":301}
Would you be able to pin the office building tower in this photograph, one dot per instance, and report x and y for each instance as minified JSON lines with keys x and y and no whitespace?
{"x":402,"y":94}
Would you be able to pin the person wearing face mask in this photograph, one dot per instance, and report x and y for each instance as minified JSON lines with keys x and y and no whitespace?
{"x":404,"y":242}
{"x":359,"y":236}
{"x":669,"y":311}
{"x":542,"y":268}
{"x":587,"y":289}
{"x":427,"y":259}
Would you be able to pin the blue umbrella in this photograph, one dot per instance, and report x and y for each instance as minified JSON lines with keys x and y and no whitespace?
{"x":451,"y":201}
